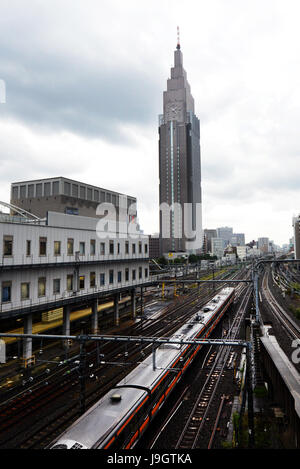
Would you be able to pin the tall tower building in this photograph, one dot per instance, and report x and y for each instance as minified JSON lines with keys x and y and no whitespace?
{"x":179,"y":166}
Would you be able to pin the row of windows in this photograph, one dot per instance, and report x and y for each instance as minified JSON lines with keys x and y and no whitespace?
{"x":48,"y":189}
{"x":113,"y":247}
{"x":83,"y":283}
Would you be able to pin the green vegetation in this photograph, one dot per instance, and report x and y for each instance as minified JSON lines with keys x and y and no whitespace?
{"x":295,"y":285}
{"x":295,"y":310}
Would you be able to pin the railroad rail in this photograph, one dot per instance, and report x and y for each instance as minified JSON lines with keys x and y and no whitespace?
{"x":291,"y":327}
{"x":14,"y":419}
{"x":219,"y":360}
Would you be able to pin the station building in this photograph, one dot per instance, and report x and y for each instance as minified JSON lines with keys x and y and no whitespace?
{"x":60,"y":260}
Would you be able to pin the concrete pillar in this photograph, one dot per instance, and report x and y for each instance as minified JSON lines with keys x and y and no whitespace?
{"x":66,"y":324}
{"x":133,"y":303}
{"x":116,"y":310}
{"x":27,"y":343}
{"x":95,"y":328}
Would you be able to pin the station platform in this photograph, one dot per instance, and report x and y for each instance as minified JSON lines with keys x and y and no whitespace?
{"x":285,"y":368}
{"x":43,"y":327}
{"x":285,"y":381}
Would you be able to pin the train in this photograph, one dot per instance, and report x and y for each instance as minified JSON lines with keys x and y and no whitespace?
{"x":120,"y":417}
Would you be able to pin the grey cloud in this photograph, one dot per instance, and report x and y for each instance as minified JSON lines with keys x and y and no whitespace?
{"x":58,"y":94}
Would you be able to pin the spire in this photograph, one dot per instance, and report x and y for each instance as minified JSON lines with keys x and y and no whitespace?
{"x":178,"y":39}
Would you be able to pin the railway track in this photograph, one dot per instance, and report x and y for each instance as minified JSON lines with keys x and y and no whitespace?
{"x":15,"y":417}
{"x":218,"y":362}
{"x":291,"y":328}
{"x":201,"y":397}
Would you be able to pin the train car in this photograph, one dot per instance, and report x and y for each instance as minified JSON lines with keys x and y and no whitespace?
{"x":119,"y":418}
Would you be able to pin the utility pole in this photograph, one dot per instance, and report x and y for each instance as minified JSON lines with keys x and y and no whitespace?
{"x":82,"y":372}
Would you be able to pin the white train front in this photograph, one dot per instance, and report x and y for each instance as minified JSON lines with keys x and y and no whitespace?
{"x":120,"y":417}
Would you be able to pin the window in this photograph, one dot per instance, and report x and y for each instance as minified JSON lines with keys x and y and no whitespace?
{"x":82,"y":248}
{"x":67,"y":188}
{"x":7,"y":245}
{"x":70,"y":246}
{"x":47,"y":189}
{"x":140,"y":248}
{"x":133,"y":274}
{"x":126,"y":275}
{"x":57,"y":248}
{"x":111,"y":276}
{"x":92,"y":279}
{"x":28,"y":247}
{"x":140,"y":272}
{"x":111,"y":247}
{"x":146,"y":248}
{"x":43,"y":246}
{"x":93,"y":247}
{"x":39,"y":190}
{"x":102,"y":249}
{"x":82,"y":192}
{"x":118,"y":248}
{"x":102,"y":279}
{"x":55,"y":188}
{"x":74,"y":190}
{"x":30,"y":190}
{"x":81,"y":282}
{"x":22,"y":192}
{"x":6,"y":292}
{"x":89,"y":193}
{"x":146,"y":273}
{"x":15,"y":191}
{"x":42,"y":286}
{"x":25,"y":291}
{"x":119,"y":276}
{"x":126,"y":247}
{"x":133,"y":248}
{"x":56,"y":285}
{"x":70,"y":282}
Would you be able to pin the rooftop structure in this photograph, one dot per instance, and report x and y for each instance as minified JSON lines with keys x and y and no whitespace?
{"x":68,"y":196}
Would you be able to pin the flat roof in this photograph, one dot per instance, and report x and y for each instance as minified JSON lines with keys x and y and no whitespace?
{"x":62,"y":178}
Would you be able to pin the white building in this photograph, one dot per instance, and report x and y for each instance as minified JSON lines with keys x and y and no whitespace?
{"x":65,"y":257}
{"x":64,"y":261}
{"x":241,"y":252}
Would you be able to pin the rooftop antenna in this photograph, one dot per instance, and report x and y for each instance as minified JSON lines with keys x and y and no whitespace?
{"x":178,"y":39}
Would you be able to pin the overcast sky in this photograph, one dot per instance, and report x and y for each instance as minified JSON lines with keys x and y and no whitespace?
{"x":84,"y":82}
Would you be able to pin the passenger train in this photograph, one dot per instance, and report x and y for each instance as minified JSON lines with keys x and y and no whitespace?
{"x":119,"y":418}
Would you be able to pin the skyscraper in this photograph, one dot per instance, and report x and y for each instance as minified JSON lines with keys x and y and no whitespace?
{"x":179,"y":165}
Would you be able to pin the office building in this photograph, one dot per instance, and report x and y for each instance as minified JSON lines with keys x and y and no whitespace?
{"x":296,"y":226}
{"x":225,"y":232}
{"x":179,"y":166}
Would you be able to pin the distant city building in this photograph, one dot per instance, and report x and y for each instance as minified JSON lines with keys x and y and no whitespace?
{"x":225,"y":232}
{"x":296,"y":226}
{"x":179,"y":166}
{"x":241,"y":252}
{"x":263,"y":245}
{"x":208,"y":235}
{"x":217,"y":247}
{"x":154,"y":251}
{"x":238,"y":239}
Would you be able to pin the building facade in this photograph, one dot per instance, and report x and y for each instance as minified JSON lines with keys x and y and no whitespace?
{"x":263,"y":245}
{"x":179,"y":166}
{"x":226,"y":233}
{"x":68,"y":196}
{"x":296,"y":226}
{"x":208,"y":235}
{"x":217,"y":247}
{"x":65,"y":258}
